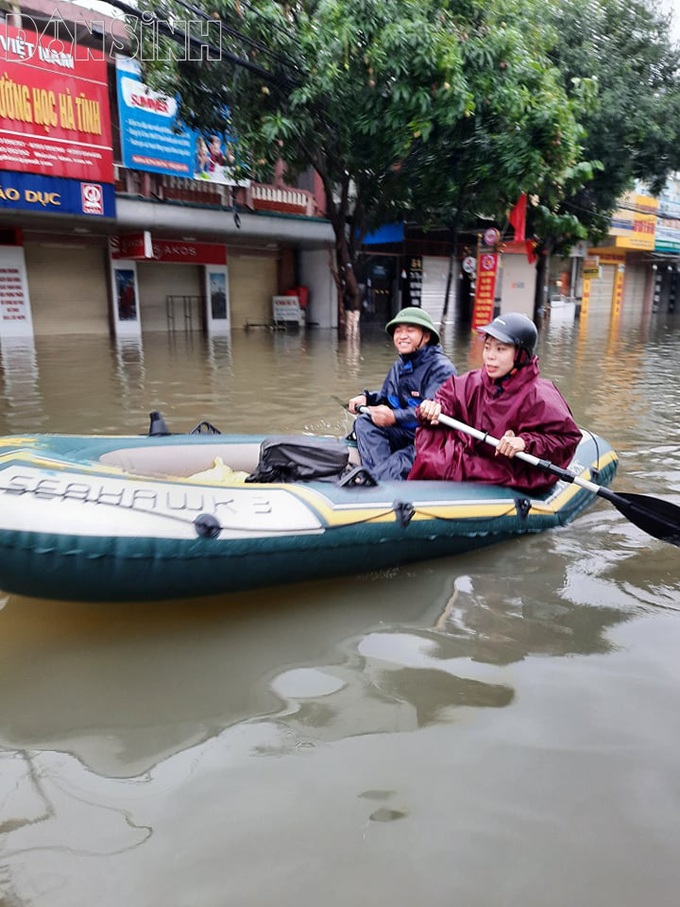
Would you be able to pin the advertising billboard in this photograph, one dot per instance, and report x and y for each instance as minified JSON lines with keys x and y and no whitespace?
{"x":54,"y":109}
{"x":633,"y":225}
{"x":153,"y":139}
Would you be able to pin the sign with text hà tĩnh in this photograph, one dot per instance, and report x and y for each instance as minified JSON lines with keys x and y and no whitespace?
{"x":54,"y":108}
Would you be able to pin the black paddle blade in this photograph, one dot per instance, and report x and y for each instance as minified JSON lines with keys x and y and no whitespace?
{"x":654,"y":516}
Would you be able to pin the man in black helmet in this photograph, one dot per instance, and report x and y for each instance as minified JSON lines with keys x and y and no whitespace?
{"x":386,"y":428}
{"x":506,"y":398}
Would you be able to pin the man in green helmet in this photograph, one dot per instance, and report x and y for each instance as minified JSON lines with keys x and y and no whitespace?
{"x":385,"y":429}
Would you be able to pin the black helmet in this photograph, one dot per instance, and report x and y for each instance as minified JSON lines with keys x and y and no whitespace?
{"x":516,"y":329}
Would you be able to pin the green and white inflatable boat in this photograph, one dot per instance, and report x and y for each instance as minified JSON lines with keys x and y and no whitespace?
{"x":169,"y":516}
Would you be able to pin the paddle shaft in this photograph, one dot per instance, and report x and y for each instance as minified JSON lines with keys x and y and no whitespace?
{"x":544,"y":465}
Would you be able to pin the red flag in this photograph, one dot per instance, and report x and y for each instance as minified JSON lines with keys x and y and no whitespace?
{"x":530,"y":246}
{"x":518,"y":218}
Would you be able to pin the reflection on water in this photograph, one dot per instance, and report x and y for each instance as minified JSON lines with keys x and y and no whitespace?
{"x":475,"y":730}
{"x":618,"y":380}
{"x":130,"y":372}
{"x":213,"y":669}
{"x":20,"y":384}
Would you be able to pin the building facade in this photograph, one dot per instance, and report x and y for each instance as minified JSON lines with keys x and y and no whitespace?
{"x":110,"y":221}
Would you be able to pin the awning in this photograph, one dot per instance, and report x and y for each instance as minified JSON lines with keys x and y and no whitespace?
{"x":388,"y":233}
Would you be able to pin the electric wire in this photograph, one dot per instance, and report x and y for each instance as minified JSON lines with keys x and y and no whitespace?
{"x":185,"y":39}
{"x":257,"y":45}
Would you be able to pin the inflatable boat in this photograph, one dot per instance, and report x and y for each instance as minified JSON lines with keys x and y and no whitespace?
{"x":167,"y":516}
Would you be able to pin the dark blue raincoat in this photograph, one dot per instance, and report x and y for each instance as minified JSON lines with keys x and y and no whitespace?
{"x":387,"y":453}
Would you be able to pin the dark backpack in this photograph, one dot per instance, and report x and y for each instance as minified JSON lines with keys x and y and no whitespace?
{"x":299,"y":458}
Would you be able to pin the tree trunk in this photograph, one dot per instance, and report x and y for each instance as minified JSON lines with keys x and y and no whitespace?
{"x":542,"y":276}
{"x":342,"y":268}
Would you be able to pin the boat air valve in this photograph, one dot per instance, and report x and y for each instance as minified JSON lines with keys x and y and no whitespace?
{"x":207,"y":526}
{"x":404,"y":512}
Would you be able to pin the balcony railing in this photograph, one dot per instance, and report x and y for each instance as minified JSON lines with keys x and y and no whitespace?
{"x":256,"y":196}
{"x":174,"y":188}
{"x":284,"y":200}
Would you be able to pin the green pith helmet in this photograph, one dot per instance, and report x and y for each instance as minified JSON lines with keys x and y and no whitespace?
{"x":413,"y":314}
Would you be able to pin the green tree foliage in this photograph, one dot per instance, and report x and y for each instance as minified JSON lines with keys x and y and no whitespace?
{"x":405,"y":108}
{"x":439,"y":110}
{"x":620,"y":53}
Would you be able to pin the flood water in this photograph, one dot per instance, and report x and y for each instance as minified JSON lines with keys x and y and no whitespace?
{"x":498,"y":729}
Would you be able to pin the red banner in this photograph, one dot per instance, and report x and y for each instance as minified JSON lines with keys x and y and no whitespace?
{"x":485,"y":291}
{"x":54,"y":108}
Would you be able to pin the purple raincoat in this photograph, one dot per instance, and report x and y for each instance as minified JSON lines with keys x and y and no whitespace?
{"x":524,"y":402}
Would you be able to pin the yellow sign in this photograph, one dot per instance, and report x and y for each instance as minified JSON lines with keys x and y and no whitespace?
{"x":591,"y":267}
{"x":633,"y":225}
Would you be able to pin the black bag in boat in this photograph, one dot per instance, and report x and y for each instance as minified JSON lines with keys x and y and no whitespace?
{"x":295,"y":458}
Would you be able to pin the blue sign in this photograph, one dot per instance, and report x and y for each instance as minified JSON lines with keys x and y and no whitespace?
{"x":53,"y":195}
{"x":152,"y":138}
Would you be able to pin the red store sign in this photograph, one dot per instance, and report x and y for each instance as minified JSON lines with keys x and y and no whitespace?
{"x":54,"y":108}
{"x":140,"y":247}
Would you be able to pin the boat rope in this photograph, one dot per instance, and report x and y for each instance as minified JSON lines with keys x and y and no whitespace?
{"x":208,"y":526}
{"x":594,"y":471}
{"x":518,"y":507}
